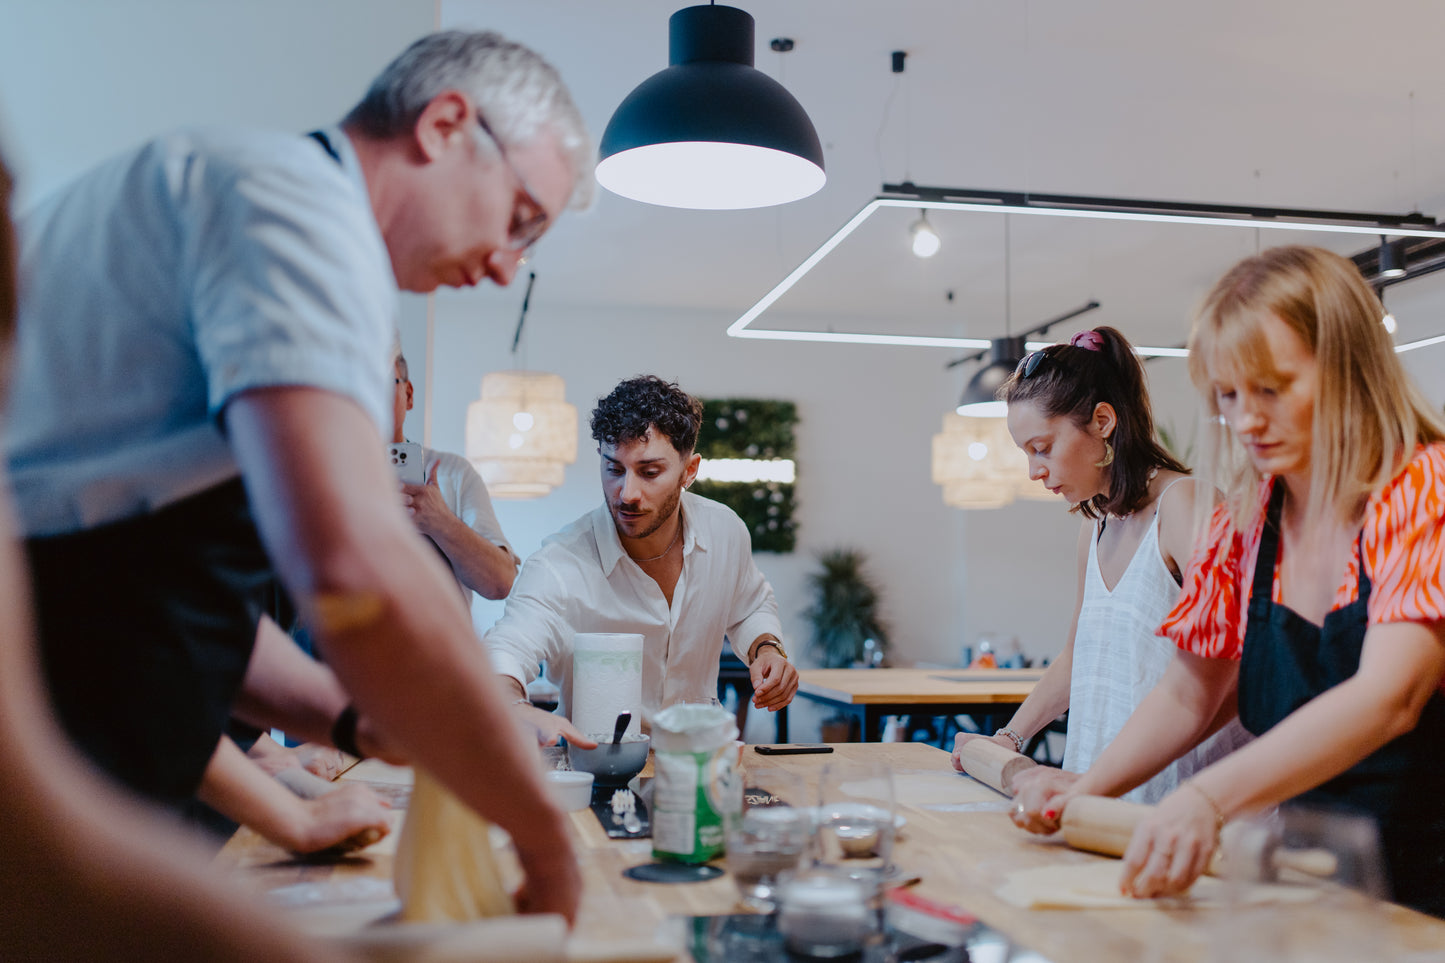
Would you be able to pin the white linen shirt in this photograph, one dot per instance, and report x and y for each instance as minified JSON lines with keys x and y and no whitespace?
{"x":581,"y":580}
{"x":166,"y":281}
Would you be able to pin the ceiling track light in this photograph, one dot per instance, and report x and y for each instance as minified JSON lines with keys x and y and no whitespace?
{"x":908,"y":195}
{"x":711,"y":132}
{"x":1389,"y":260}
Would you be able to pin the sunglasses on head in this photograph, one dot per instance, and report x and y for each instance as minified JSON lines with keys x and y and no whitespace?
{"x":1030,"y":364}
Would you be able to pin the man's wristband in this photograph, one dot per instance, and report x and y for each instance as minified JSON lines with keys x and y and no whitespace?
{"x":758,"y":649}
{"x":343,"y":732}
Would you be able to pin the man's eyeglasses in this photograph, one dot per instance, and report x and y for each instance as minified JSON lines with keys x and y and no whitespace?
{"x":524,"y":231}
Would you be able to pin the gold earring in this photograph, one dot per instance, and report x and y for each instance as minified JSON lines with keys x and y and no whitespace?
{"x":1108,"y":456}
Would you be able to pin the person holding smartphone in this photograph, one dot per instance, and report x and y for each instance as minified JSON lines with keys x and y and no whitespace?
{"x":450,"y":505}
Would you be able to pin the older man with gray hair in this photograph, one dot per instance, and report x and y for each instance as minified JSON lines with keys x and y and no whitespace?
{"x":202,"y":388}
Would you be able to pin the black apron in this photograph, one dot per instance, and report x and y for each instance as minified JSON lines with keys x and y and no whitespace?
{"x":145,"y":629}
{"x":1287,"y":661}
{"x":146,"y":626}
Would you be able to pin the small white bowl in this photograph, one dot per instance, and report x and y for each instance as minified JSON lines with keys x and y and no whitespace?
{"x":572,"y":790}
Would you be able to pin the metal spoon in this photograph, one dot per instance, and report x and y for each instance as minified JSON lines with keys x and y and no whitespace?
{"x":623,"y":719}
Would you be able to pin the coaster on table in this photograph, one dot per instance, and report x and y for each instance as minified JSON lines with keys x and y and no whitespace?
{"x":673,"y":872}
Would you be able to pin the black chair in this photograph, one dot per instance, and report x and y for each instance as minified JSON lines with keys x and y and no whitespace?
{"x":733,"y":672}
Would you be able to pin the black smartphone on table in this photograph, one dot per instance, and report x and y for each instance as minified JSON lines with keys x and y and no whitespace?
{"x":793,"y":749}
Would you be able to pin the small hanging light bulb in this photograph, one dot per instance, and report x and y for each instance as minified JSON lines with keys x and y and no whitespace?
{"x":925,"y":238}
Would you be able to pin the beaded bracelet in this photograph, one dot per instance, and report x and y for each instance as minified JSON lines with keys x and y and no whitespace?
{"x":1017,"y":739}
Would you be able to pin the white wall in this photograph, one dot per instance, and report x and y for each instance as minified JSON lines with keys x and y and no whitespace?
{"x":82,"y":79}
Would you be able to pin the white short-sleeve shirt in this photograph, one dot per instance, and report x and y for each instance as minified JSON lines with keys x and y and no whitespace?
{"x":168,"y":280}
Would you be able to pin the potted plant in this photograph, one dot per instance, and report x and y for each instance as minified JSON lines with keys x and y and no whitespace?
{"x":847,"y":629}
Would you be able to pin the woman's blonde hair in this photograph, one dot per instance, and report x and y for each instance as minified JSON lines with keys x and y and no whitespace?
{"x":1368,"y":415}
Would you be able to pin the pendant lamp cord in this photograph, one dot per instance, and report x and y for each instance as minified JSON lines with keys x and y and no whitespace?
{"x":1008,"y":308}
{"x":526,"y":302}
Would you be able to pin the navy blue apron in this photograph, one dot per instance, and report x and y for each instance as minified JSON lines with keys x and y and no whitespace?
{"x":1287,"y":661}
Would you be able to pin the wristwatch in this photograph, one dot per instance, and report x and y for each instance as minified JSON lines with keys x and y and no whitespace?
{"x":774,"y":643}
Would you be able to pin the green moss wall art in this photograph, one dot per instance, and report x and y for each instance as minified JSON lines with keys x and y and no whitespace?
{"x":750,"y":444}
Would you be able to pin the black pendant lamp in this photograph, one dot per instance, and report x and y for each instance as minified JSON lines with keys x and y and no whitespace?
{"x":980,"y":398}
{"x":711,"y":131}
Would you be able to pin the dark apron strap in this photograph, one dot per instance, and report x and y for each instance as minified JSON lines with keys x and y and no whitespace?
{"x":320,"y":137}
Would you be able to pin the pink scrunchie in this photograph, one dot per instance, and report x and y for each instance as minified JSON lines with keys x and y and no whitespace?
{"x":1088,"y":340}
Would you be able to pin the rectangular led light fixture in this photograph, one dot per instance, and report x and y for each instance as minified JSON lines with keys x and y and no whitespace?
{"x":1069,"y":205}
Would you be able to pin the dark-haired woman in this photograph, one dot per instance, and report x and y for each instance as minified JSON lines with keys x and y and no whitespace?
{"x":1080,"y":412}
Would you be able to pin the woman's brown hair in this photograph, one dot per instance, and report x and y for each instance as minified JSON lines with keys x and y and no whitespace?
{"x":1072,"y":381}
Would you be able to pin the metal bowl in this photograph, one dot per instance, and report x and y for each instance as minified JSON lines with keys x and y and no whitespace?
{"x":611,"y":765}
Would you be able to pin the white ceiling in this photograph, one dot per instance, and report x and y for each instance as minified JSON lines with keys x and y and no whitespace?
{"x":1301,"y":104}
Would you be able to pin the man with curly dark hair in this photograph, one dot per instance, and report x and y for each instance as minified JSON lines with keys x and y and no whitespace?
{"x":655,"y":559}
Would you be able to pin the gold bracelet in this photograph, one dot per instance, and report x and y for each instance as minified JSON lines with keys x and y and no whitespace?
{"x":1218,"y":812}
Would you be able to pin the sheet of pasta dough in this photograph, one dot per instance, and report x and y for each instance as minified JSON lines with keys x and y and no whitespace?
{"x":943,"y":788}
{"x":1095,"y":885}
{"x":445,"y":868}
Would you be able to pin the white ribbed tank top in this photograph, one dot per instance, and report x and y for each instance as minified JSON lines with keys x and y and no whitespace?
{"x":1118,"y":659}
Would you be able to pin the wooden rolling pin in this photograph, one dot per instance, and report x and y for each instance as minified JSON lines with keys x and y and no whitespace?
{"x":1101,"y":825}
{"x":992,"y":764}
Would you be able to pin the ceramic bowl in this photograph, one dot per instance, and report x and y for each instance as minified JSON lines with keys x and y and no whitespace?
{"x":612,"y":765}
{"x":571,"y":790}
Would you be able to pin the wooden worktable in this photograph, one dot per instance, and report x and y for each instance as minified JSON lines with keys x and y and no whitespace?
{"x":871,"y":695}
{"x":957,"y":837}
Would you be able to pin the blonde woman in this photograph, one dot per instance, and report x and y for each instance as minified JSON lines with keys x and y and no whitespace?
{"x":1316,"y":597}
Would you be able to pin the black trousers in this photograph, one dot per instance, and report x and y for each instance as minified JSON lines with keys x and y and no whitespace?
{"x":145,"y":628}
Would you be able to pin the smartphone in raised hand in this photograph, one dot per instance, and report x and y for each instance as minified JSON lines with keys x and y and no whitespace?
{"x":408,"y":461}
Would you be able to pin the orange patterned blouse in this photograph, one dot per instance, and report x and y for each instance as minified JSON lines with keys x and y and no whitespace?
{"x":1404,"y":554}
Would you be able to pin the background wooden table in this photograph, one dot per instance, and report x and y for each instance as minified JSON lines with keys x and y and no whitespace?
{"x":957,"y":837}
{"x":871,"y":695}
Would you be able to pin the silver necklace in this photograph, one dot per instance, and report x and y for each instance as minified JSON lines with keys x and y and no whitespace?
{"x":675,"y":536}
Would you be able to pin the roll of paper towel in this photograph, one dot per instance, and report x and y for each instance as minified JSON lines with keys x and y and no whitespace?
{"x":606,"y":680}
